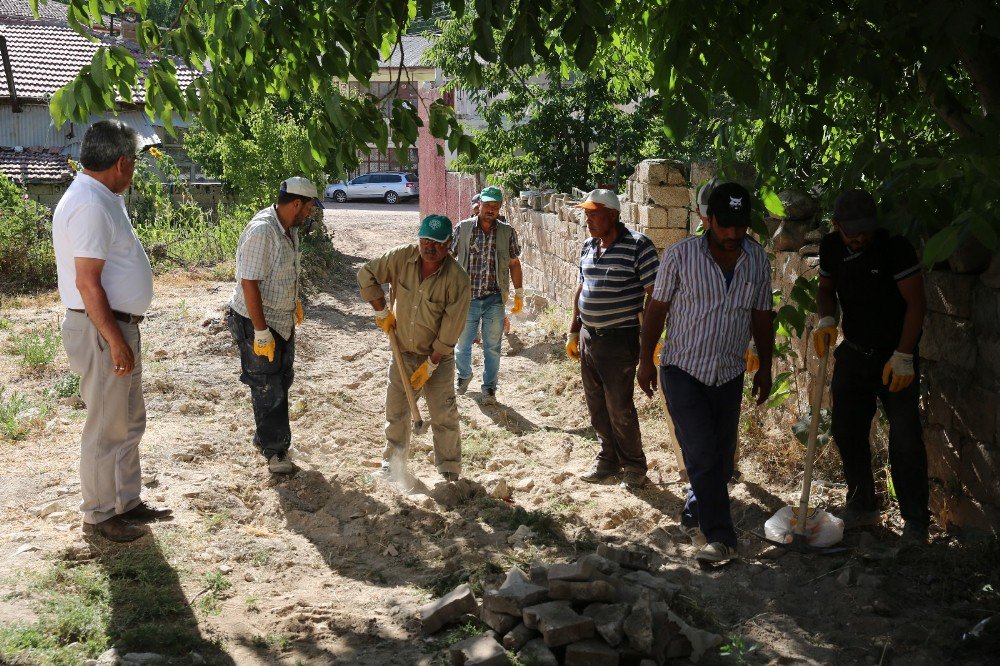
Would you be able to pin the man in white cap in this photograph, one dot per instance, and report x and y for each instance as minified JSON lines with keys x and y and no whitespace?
{"x":264,"y":311}
{"x":617,"y":270}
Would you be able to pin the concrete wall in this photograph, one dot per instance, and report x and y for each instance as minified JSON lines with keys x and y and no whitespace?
{"x":960,"y":348}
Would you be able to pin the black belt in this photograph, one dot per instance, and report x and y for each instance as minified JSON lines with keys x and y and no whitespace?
{"x":120,"y":316}
{"x":618,"y":331}
{"x":865,"y":350}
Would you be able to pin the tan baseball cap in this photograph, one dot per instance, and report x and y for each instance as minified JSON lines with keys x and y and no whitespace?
{"x":601,"y":199}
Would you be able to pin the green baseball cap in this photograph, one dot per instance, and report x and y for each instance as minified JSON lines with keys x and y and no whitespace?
{"x":436,"y":228}
{"x":491,"y":193}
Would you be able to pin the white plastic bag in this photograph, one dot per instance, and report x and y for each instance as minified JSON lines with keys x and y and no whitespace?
{"x":822,"y":528}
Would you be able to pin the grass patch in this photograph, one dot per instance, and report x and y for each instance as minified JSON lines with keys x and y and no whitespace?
{"x":475,"y":576}
{"x":37,"y":349}
{"x":455,"y":635}
{"x":502,"y":516}
{"x":67,"y":386}
{"x":272,"y":641}
{"x":131,"y":600}
{"x":12,"y":405}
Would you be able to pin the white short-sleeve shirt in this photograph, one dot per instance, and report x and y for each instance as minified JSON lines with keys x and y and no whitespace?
{"x":91,"y":222}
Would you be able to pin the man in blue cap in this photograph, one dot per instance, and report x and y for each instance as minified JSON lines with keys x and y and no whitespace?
{"x":431,"y":298}
{"x":487,"y":248}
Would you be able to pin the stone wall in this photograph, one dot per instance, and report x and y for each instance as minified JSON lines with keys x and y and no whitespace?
{"x":960,"y":348}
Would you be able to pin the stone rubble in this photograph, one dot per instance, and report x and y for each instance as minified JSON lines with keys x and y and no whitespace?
{"x":605,"y":608}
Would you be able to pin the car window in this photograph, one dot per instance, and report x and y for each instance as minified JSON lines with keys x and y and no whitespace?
{"x":387,"y":178}
{"x":361,"y":180}
{"x":411,"y":177}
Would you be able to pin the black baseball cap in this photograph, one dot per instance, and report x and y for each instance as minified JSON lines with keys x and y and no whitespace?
{"x":729,"y":204}
{"x":854,"y":211}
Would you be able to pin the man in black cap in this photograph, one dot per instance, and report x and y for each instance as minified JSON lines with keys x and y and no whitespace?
{"x":716,"y":289}
{"x":876,"y":278}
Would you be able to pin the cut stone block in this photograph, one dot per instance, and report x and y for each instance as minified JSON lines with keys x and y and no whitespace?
{"x":629,"y":559}
{"x":700,"y":640}
{"x":478,"y":651}
{"x":608,"y":620}
{"x":558,"y":623}
{"x":592,"y":652}
{"x":539,"y":574}
{"x":499,"y":622}
{"x":516,"y":593}
{"x":591,"y":590}
{"x":451,"y":606}
{"x":664,"y":238}
{"x":591,"y":567}
{"x":518,"y":637}
{"x":536,"y":652}
{"x":664,"y":588}
{"x":646,"y":628}
{"x":668,"y":195}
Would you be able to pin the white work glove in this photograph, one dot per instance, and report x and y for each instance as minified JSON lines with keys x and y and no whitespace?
{"x":263,"y":343}
{"x":898,"y":371}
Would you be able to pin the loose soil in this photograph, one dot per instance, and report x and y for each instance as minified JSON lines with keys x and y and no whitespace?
{"x":330,"y":564}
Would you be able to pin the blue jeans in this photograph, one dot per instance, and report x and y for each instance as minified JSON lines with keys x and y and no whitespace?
{"x":488,"y":311}
{"x":706,"y":423}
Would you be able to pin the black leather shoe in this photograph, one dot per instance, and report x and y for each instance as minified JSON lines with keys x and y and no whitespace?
{"x":145,"y":513}
{"x":597,"y":473}
{"x":115,"y":529}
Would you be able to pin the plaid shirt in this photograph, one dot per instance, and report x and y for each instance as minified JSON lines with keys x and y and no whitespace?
{"x":483,"y":259}
{"x":271,"y":257}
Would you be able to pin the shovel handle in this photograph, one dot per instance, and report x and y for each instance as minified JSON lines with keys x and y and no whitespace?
{"x":412,"y":399}
{"x":817,"y":403}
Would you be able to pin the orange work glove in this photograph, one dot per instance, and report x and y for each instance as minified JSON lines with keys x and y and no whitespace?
{"x":825,"y":336}
{"x":573,"y":346}
{"x":299,"y":314}
{"x":898,"y":371}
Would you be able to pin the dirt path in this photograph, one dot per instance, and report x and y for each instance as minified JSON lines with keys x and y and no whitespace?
{"x":329,"y":565}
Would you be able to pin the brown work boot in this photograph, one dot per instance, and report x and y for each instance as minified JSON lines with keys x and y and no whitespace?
{"x":144,"y":513}
{"x":115,"y":529}
{"x":598,"y":473}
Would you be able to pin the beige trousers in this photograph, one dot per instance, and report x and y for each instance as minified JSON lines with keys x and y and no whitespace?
{"x":110,"y":478}
{"x":439,"y":394}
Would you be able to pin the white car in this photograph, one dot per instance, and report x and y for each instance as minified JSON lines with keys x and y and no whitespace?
{"x":389,"y":186}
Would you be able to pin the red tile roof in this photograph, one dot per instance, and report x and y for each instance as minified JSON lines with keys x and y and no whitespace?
{"x":35,"y":166}
{"x":45,"y":56}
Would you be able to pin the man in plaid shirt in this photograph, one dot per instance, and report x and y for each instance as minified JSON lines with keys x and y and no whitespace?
{"x":264,"y":311}
{"x":487,"y":249}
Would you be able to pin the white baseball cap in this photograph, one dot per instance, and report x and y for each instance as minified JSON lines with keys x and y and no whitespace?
{"x":704,"y":192}
{"x":302,"y":187}
{"x":601,"y":199}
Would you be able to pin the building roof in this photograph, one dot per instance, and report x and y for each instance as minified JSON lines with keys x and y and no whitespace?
{"x":35,"y":165}
{"x":47,"y":11}
{"x":46,"y":56}
{"x":412,"y":54}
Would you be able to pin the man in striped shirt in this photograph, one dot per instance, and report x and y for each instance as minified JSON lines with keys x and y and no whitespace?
{"x":617,"y":269}
{"x":716,"y":289}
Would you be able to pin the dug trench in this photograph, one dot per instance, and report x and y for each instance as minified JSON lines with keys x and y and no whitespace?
{"x":332,"y":564}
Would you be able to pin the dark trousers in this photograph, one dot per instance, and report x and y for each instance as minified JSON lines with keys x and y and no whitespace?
{"x":706,"y":424}
{"x":269,"y":382}
{"x":857,"y":384}
{"x":607,"y":365}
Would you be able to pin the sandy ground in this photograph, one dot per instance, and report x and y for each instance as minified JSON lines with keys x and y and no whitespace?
{"x":337,"y":561}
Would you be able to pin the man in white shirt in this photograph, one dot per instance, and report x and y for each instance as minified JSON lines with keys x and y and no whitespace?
{"x":106,"y":284}
{"x":264,"y":311}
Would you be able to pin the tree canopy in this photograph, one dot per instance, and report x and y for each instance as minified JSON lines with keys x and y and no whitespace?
{"x":896,"y":96}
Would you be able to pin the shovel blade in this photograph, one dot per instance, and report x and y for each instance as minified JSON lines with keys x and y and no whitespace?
{"x":421,"y":426}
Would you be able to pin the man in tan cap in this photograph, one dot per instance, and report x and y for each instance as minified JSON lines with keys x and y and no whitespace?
{"x":264,"y":311}
{"x":617,"y":270}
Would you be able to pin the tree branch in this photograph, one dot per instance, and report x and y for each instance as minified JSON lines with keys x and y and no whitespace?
{"x":944,"y":103}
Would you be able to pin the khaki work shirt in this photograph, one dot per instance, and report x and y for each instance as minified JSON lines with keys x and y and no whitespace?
{"x":430,"y":313}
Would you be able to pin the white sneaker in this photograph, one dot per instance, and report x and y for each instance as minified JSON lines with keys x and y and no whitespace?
{"x":695,"y":534}
{"x":716,"y":552}
{"x":280,"y":464}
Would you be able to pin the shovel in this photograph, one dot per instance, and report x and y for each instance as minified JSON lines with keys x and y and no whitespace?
{"x":419,"y":425}
{"x":799,"y":542}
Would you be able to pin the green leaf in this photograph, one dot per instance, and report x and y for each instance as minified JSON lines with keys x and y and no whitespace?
{"x":585,"y":49}
{"x":773,"y":204}
{"x":941,"y":245}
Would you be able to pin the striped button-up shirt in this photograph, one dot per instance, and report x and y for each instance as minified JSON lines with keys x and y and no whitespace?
{"x":270,"y":256}
{"x":708,"y":324}
{"x":614,"y":283}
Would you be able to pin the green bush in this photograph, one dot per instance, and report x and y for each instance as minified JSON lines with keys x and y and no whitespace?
{"x":27,"y":262}
{"x":37,"y":349}
{"x":11,"y":406}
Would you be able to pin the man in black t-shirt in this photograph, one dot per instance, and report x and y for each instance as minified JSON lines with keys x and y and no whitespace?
{"x":877,"y":280}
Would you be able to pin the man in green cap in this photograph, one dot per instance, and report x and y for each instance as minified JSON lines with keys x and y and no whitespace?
{"x":430,"y":292}
{"x":487,"y":248}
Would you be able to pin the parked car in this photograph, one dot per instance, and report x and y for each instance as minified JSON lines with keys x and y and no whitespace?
{"x":390,"y":186}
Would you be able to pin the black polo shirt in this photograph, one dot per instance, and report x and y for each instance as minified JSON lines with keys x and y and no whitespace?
{"x":872,"y":306}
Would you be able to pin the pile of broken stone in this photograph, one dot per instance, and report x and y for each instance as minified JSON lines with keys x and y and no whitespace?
{"x":606,"y":608}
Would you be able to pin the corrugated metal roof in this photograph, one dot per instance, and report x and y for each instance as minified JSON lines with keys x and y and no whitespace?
{"x":33,"y":129}
{"x":35,"y":166}
{"x":44,"y":57}
{"x":412,"y":55}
